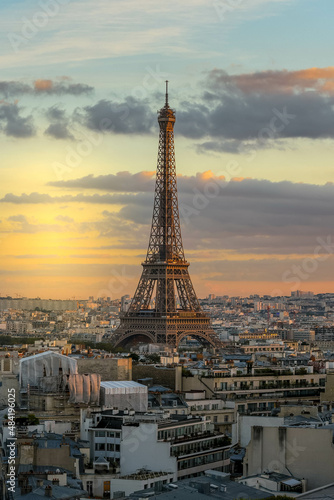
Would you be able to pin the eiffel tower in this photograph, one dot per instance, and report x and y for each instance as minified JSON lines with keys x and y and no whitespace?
{"x":165,"y":270}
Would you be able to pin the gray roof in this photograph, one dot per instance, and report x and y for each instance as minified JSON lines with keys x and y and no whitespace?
{"x":322,"y":493}
{"x":205,"y":487}
{"x":61,"y":492}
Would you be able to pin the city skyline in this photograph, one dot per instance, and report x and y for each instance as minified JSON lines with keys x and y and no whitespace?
{"x":253,"y":95}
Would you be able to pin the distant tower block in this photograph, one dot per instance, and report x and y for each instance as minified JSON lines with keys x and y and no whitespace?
{"x":154,"y":315}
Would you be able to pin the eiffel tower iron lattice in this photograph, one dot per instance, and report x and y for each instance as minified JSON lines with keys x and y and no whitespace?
{"x":154,"y":314}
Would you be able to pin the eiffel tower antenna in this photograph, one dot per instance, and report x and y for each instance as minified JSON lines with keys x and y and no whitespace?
{"x":165,"y":308}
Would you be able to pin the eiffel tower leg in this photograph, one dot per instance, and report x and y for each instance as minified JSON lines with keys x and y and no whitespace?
{"x":186,"y":292}
{"x":143,"y":294}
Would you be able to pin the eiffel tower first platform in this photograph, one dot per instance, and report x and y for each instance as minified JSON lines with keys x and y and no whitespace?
{"x":165,"y":270}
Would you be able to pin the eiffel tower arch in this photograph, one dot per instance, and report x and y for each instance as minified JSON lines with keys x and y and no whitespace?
{"x":154,"y":313}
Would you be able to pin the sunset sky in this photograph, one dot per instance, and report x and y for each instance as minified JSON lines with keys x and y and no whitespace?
{"x":252,"y":83}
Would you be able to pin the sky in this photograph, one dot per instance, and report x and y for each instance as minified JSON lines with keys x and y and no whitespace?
{"x":252,"y":85}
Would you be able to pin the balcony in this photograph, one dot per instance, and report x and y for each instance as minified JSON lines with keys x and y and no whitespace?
{"x":191,"y":437}
{"x":200,"y":448}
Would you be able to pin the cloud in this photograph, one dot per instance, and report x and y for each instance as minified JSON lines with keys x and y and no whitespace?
{"x":126,"y":182}
{"x":238,"y":113}
{"x":13,"y":124}
{"x":55,"y":113}
{"x":58,"y":131}
{"x":32,"y":256}
{"x":20,"y":224}
{"x":274,"y":82}
{"x":121,"y":181}
{"x":234,"y":112}
{"x":130,"y":116}
{"x":243,"y":215}
{"x":259,"y":270}
{"x":64,"y":218}
{"x":122,"y":28}
{"x":42,"y":198}
{"x":260,"y":117}
{"x":59,"y":126}
{"x":61,"y":88}
{"x":44,"y":87}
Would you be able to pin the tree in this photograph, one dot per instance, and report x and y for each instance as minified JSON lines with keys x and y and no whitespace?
{"x":154,"y":358}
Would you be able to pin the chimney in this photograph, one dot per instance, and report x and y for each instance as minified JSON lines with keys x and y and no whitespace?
{"x":48,"y":491}
{"x":25,"y":489}
{"x":40,"y":482}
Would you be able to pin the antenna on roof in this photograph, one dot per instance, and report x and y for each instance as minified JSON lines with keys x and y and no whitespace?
{"x":166,"y":93}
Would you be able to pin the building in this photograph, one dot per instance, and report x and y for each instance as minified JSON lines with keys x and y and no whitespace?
{"x":50,"y":382}
{"x":124,"y":395}
{"x":213,"y":484}
{"x":275,"y":483}
{"x":259,"y":391}
{"x":181,"y":445}
{"x":108,"y":367}
{"x":303,"y":451}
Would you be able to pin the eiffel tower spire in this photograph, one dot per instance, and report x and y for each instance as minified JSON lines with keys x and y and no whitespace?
{"x":153,"y":310}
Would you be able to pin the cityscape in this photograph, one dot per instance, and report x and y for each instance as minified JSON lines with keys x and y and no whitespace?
{"x":167,"y":301}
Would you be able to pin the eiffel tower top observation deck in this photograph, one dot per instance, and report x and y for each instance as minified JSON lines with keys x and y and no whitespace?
{"x":165,"y":307}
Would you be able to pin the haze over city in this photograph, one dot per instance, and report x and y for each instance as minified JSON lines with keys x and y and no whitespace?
{"x":252,"y":84}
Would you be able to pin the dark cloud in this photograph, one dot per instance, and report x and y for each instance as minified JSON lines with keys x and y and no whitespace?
{"x":13,"y":124}
{"x":126,"y":182}
{"x":260,"y":107}
{"x":55,"y":113}
{"x":59,"y":126}
{"x":11,"y":88}
{"x":260,"y":270}
{"x":243,"y":216}
{"x":44,"y":87}
{"x":260,"y":117}
{"x":42,"y":198}
{"x":122,"y":181}
{"x":130,"y":116}
{"x":58,"y":131}
{"x":232,"y":114}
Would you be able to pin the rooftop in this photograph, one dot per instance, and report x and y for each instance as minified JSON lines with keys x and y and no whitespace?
{"x":213,"y":484}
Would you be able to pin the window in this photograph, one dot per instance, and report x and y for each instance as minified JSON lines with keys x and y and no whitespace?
{"x":99,"y":446}
{"x":89,"y":487}
{"x":106,"y":489}
{"x":215,"y":419}
{"x":225,"y":418}
{"x":100,"y":434}
{"x":6,"y":365}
